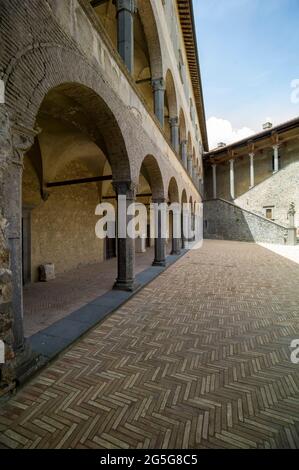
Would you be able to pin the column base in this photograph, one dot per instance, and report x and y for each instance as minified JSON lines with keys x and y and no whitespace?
{"x":159,"y":263}
{"x":26,"y":363}
{"x":175,"y":252}
{"x":127,"y":286}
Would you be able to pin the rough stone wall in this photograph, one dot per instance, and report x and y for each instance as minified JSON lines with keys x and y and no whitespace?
{"x":279,"y":191}
{"x":63,"y":227}
{"x":6,"y":335}
{"x":224,"y":220}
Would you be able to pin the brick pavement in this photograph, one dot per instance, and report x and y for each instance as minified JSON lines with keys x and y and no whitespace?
{"x":47,"y":302}
{"x":200,"y":358}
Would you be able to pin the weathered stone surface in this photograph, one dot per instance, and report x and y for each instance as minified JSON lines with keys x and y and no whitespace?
{"x":224,"y":220}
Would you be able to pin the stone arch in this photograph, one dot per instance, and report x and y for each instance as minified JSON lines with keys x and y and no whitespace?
{"x":80,"y":106}
{"x":151,"y":171}
{"x":152,"y":36}
{"x":184,"y":197}
{"x":173,"y":190}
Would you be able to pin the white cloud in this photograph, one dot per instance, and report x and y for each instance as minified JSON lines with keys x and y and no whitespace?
{"x":221,"y":130}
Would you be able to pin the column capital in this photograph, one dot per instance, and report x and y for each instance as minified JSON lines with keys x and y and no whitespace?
{"x":158,"y":84}
{"x":184,"y":142}
{"x":174,"y":121}
{"x":22,"y":141}
{"x":276,"y":146}
{"x":128,"y":5}
{"x":214,"y":165}
{"x":125,"y":188}
{"x":190,"y":156}
{"x":251,"y":154}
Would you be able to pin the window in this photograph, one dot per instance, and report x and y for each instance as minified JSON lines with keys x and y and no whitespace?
{"x":269,"y":212}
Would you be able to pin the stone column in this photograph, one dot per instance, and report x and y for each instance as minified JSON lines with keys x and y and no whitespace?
{"x":276,"y":158}
{"x":189,"y":165}
{"x":125,"y":31}
{"x":174,"y":129}
{"x":22,"y":140}
{"x":160,"y":241}
{"x":251,"y":156}
{"x":232,"y":179}
{"x":159,"y":94}
{"x":126,"y":194}
{"x":184,"y":152}
{"x":214,"y":168}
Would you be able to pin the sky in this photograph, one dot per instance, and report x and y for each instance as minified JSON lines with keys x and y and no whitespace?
{"x":249,"y":60}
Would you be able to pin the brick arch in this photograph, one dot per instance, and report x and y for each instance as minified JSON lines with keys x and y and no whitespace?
{"x":148,"y":21}
{"x":152,"y":173}
{"x":69,"y":73}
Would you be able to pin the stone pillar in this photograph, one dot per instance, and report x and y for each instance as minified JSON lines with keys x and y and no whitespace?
{"x":276,"y":158}
{"x":174,"y":129}
{"x":160,"y":241}
{"x":232,"y":179}
{"x":251,"y":156}
{"x":189,"y":165}
{"x":184,"y":152}
{"x":22,"y":140}
{"x":126,"y":193}
{"x":214,"y":168}
{"x":159,"y":94}
{"x":125,"y":31}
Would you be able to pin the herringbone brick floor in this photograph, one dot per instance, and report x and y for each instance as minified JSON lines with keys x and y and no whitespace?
{"x":200,"y":358}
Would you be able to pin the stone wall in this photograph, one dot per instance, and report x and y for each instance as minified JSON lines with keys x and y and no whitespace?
{"x":63,"y":226}
{"x":278,"y":191}
{"x":271,"y":190}
{"x":224,"y":220}
{"x":6,"y":335}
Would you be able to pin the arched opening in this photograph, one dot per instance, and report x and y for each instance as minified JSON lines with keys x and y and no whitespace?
{"x":147,"y":50}
{"x":183,"y":136}
{"x":170,"y":107}
{"x":174,"y":217}
{"x":150,"y":190}
{"x":183,"y":207}
{"x":68,"y":171}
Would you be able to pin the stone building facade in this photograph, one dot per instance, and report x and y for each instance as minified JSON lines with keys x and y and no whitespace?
{"x":259,"y":175}
{"x":106,"y":92}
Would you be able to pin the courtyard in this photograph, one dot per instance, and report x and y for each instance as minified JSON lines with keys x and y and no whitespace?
{"x":199,"y":358}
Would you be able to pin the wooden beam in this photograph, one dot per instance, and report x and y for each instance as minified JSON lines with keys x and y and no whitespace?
{"x":97,"y":3}
{"x":93,"y":179}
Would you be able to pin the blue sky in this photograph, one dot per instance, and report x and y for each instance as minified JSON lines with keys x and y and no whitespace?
{"x":249,"y":54}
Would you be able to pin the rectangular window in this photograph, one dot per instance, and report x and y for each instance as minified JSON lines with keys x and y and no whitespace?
{"x":269,"y":213}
